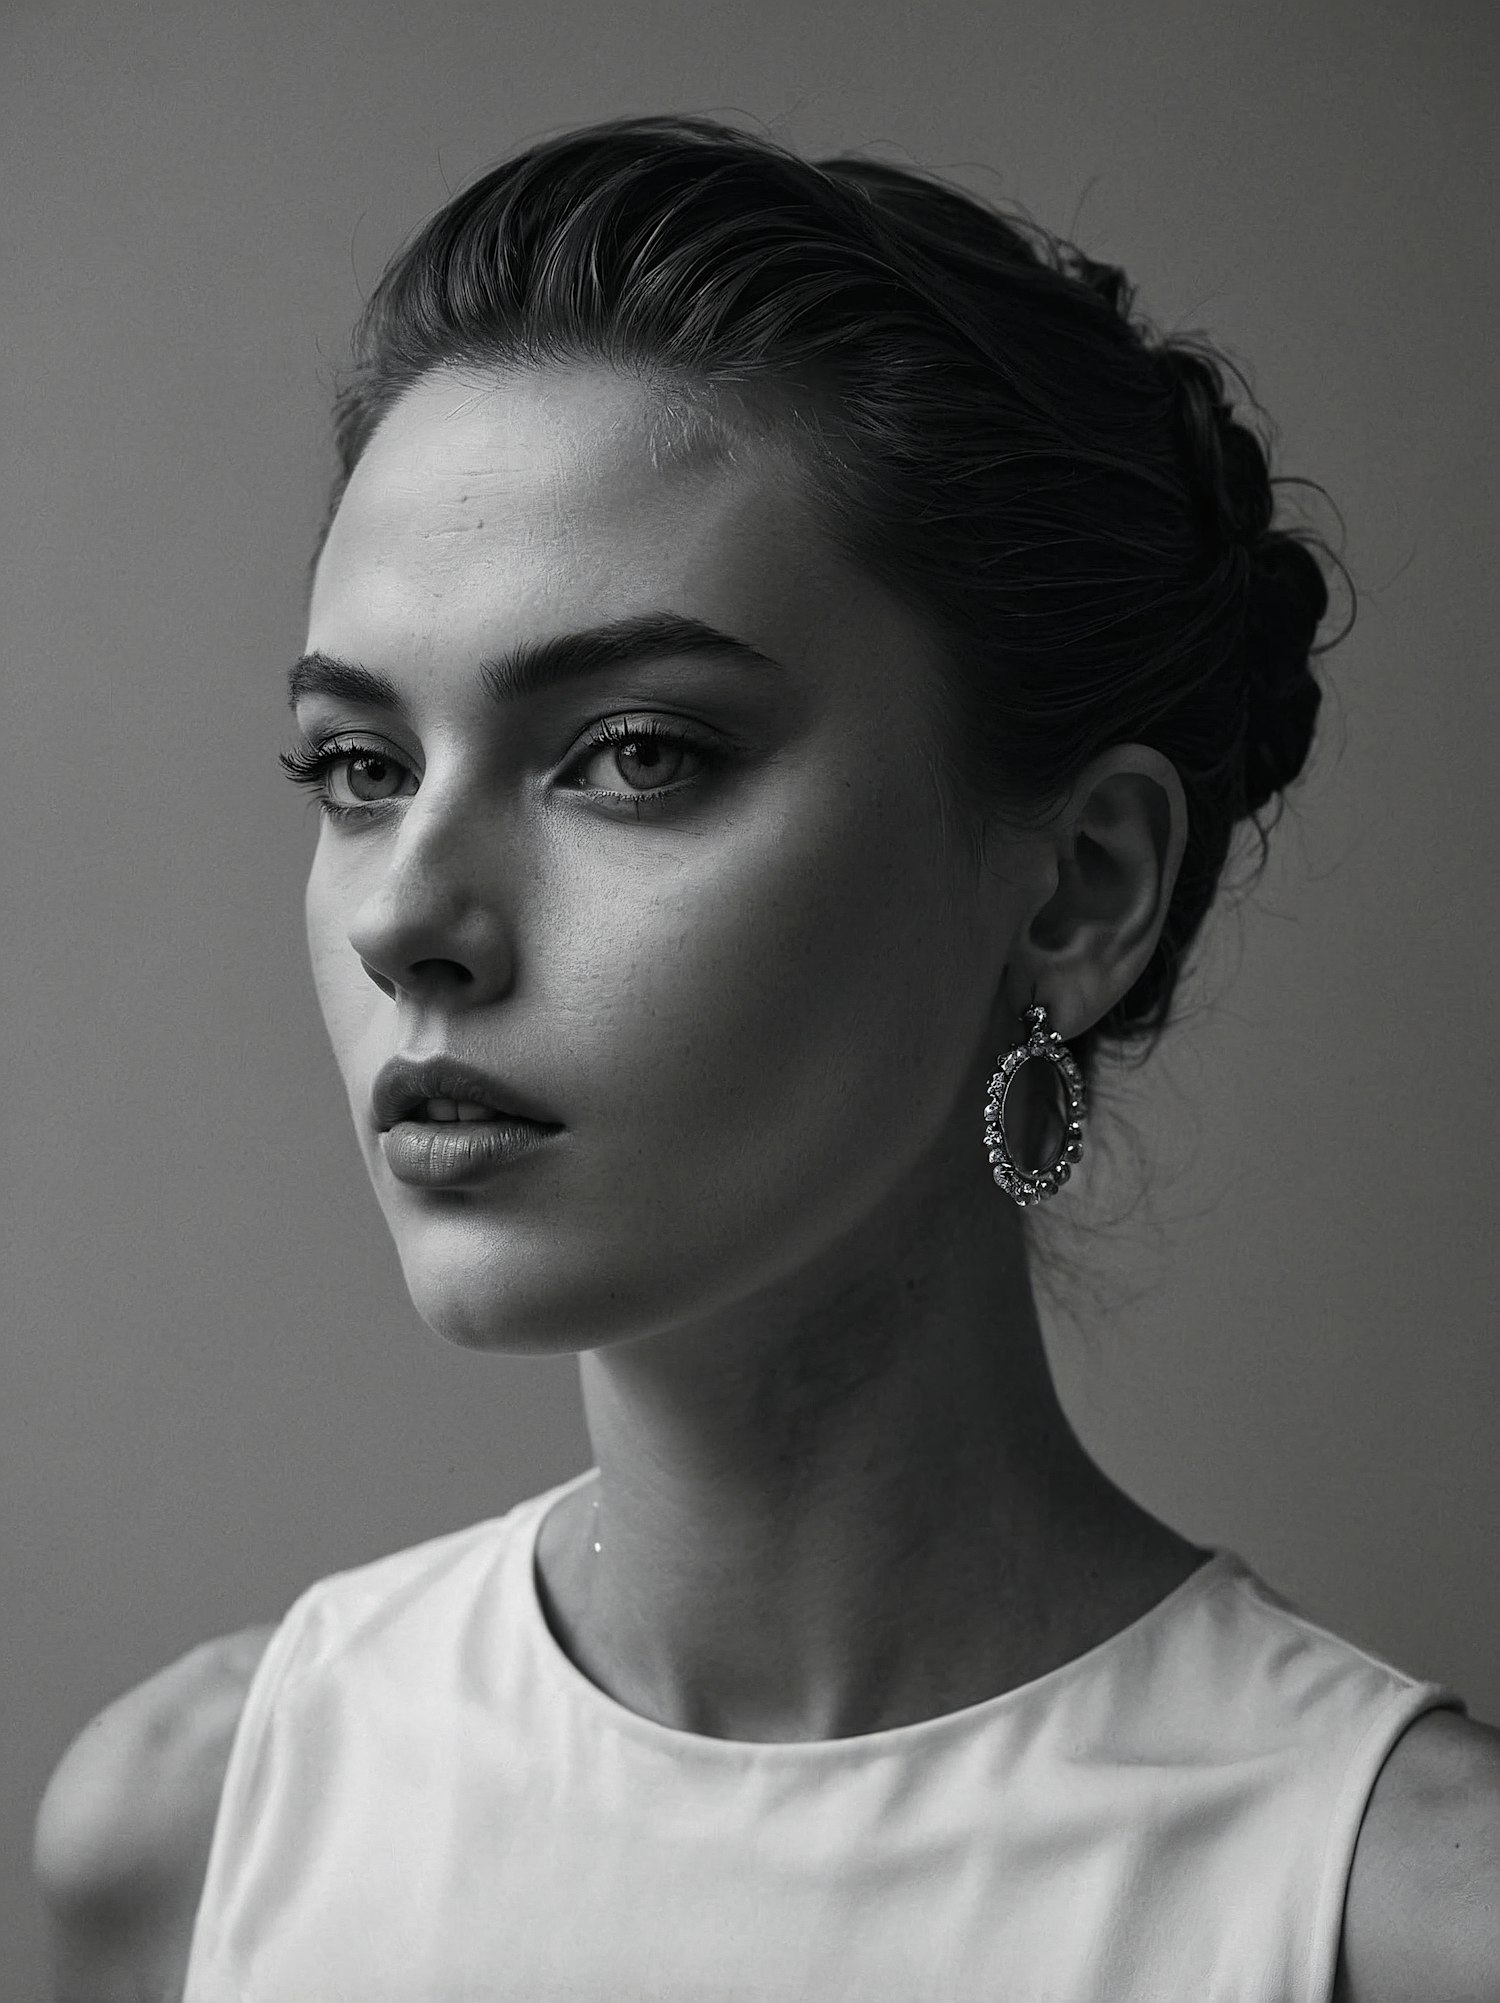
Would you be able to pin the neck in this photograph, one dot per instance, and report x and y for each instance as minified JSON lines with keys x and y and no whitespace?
{"x":851,"y":1502}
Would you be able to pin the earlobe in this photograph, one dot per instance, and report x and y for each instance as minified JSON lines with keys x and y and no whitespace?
{"x":1118,"y":846}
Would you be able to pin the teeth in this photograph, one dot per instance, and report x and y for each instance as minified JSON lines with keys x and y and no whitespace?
{"x":456,"y":1109}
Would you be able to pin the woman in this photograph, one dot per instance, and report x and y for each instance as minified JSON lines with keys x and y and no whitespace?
{"x":787,"y":657}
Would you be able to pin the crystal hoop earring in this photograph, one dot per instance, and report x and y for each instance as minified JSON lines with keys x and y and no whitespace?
{"x":1034,"y":1185}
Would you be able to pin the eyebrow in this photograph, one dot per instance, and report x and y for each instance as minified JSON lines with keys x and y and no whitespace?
{"x":534,"y":665}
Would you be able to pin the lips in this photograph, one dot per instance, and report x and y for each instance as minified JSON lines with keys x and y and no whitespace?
{"x":404,"y":1086}
{"x":456,"y":1154}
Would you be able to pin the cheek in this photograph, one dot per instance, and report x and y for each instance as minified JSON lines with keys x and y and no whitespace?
{"x":802,"y":993}
{"x":345,"y":993}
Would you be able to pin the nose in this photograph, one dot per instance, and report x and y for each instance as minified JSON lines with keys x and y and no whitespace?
{"x":432,"y":928}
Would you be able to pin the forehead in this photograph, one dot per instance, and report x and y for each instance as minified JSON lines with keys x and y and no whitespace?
{"x":537,"y":501}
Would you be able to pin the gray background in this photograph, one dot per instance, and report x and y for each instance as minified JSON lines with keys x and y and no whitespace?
{"x":1279,"y":1332}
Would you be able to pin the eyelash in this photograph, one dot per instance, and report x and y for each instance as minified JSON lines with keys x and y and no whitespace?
{"x":310,"y":764}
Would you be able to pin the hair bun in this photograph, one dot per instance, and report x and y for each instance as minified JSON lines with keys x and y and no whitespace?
{"x":1226,"y":463}
{"x":1107,"y":281}
{"x":1288,"y":596}
{"x":1286,"y":592}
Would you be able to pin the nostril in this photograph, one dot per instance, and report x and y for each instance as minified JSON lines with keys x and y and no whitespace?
{"x":387,"y":988}
{"x":452,"y":971}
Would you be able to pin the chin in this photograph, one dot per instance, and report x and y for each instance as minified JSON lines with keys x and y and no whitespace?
{"x":469,"y":1326}
{"x":509,"y":1297}
{"x":472,"y":1311}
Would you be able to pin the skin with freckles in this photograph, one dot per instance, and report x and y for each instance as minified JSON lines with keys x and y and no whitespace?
{"x":836,"y":1491}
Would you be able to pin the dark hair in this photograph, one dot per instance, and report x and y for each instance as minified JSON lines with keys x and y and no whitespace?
{"x":1069,"y":501}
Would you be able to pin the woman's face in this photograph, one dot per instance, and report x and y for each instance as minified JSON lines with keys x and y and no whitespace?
{"x":750,"y":1005}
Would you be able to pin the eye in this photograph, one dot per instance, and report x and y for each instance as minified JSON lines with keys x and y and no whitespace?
{"x":347,"y":778}
{"x":644,"y":748}
{"x":367,"y":774}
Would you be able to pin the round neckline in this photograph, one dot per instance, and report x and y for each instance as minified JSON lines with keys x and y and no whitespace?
{"x":890,"y":1738}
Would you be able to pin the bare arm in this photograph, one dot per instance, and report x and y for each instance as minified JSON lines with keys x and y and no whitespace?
{"x":123,"y":1829}
{"x":1422,"y":1916}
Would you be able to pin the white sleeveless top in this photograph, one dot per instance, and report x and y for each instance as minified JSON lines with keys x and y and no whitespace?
{"x":426,"y":1802}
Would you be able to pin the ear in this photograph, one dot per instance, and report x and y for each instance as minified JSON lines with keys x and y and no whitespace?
{"x":1114,"y":852}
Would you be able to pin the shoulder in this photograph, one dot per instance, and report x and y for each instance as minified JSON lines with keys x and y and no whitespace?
{"x":123,"y":1829}
{"x":1422,"y":1914}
